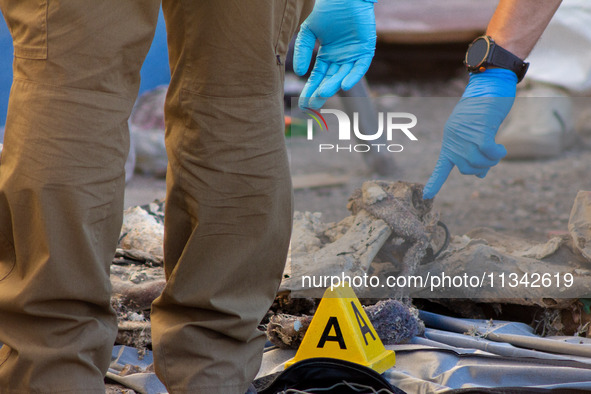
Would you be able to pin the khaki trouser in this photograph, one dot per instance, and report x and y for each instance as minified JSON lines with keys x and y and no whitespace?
{"x":228,"y":213}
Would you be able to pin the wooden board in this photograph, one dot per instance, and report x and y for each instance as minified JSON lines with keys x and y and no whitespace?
{"x":432,"y":21}
{"x":310,"y":181}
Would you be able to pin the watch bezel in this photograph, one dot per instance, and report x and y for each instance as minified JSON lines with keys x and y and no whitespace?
{"x":489,"y":43}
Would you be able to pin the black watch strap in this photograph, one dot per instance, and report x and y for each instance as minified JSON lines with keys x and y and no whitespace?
{"x":500,"y":57}
{"x":484,"y":53}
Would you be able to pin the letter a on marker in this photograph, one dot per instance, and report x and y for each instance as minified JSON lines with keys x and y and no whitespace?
{"x":333,"y":322}
{"x":362,"y":324}
{"x":341,"y":329}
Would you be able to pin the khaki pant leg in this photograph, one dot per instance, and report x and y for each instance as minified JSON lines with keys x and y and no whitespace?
{"x":229,"y":203}
{"x":76,"y":75}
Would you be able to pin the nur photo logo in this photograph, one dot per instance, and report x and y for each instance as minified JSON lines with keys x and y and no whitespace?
{"x":391,"y":127}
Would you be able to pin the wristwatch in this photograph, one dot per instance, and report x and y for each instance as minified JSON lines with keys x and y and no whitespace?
{"x":484,"y":53}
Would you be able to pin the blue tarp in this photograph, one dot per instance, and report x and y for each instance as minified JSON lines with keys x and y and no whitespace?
{"x":155,"y":71}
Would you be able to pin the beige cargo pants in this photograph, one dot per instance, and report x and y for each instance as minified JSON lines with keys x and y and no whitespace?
{"x":228,"y":214}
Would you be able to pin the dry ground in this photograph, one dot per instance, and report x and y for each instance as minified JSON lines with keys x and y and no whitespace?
{"x":525,"y":198}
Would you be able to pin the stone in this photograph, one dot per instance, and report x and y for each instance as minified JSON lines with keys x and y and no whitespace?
{"x":579,"y":224}
{"x":143,"y":229}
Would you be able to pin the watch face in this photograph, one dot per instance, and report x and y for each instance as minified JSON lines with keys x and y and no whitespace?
{"x":477,"y":52}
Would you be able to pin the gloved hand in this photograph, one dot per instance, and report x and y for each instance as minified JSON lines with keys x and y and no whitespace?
{"x":346,"y":30}
{"x":469,"y":134}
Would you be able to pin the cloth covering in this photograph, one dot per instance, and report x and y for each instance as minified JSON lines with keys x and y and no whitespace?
{"x":447,"y":359}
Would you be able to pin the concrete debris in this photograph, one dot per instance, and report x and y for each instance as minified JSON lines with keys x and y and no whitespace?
{"x":542,"y":251}
{"x":394,"y":322}
{"x":134,"y":334}
{"x":284,"y":303}
{"x":579,"y":224}
{"x":549,"y":275}
{"x":135,"y":295}
{"x":143,"y":230}
{"x":313,"y":253}
{"x":135,"y":255}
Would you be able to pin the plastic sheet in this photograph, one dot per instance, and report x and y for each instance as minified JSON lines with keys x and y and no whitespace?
{"x":448,"y":359}
{"x":142,"y":381}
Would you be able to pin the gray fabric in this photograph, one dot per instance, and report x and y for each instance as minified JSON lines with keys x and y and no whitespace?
{"x":436,"y":368}
{"x":518,"y":334}
{"x":446,"y":358}
{"x":453,"y":354}
{"x":143,"y":382}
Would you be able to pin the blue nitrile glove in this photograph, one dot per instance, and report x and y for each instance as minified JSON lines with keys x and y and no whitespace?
{"x":469,"y":134}
{"x":346,"y":30}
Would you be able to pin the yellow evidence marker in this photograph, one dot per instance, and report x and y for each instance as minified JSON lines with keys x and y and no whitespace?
{"x":341,"y":329}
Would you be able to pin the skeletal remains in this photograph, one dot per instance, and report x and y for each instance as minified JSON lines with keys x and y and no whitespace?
{"x":389,"y":218}
{"x":402,"y":207}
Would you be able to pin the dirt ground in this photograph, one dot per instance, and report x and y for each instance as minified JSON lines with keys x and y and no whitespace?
{"x":526,"y":198}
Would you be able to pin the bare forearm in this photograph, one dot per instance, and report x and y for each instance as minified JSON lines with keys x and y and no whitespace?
{"x":518,"y":24}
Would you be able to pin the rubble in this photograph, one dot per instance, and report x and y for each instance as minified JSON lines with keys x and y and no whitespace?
{"x":142,"y":233}
{"x":386,"y":216}
{"x":579,"y":224}
{"x":288,"y":331}
{"x":317,"y":250}
{"x":389,"y":232}
{"x":137,"y":279}
{"x":117,"y":389}
{"x":501,"y":257}
{"x":138,"y":294}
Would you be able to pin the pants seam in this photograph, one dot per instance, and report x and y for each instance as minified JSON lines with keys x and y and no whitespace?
{"x":283,"y":17}
{"x":70,"y":88}
{"x":231,"y":97}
